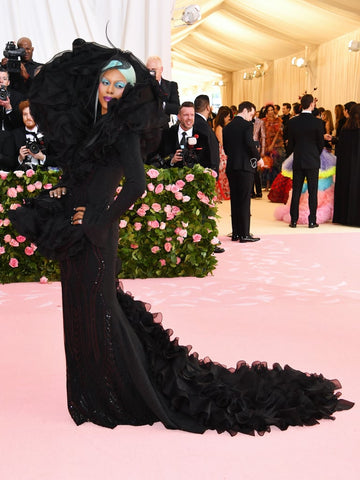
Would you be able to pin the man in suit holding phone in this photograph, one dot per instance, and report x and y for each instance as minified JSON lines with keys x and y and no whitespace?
{"x":305,"y":141}
{"x":242,"y":161}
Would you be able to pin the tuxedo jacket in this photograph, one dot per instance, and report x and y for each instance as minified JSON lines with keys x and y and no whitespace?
{"x":202,"y":126}
{"x":170,"y":95}
{"x":239,"y":146}
{"x":305,"y":140}
{"x":170,"y":143}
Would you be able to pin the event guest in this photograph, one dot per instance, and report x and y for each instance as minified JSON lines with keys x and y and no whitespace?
{"x":274,"y":146}
{"x":122,"y":367}
{"x":326,"y":117}
{"x":347,"y":182}
{"x":340,"y":120}
{"x":202,"y":112}
{"x":222,"y":118}
{"x":242,"y":161}
{"x":259,"y":138}
{"x":168,"y":89}
{"x":306,"y":140}
{"x":22,"y":80}
{"x":26,"y":147}
{"x":285,"y":117}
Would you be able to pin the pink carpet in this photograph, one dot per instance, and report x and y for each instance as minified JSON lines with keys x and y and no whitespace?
{"x":289,"y":298}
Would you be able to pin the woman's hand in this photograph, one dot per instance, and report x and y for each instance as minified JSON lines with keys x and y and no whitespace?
{"x":57,"y":192}
{"x":78,"y":216}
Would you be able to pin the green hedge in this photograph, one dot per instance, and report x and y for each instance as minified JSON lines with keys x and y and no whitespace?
{"x":171,"y":231}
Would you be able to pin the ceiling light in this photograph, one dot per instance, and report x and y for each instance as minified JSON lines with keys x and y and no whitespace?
{"x":191,"y":14}
{"x":299,"y":62}
{"x":354,"y":46}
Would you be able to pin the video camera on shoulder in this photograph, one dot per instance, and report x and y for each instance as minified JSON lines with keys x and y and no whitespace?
{"x":14,"y":56}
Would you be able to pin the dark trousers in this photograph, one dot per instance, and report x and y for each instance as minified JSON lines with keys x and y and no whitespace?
{"x":312,"y":177}
{"x":241,"y":185}
{"x":257,"y":183}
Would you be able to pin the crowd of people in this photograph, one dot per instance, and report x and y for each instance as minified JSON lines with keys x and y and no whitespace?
{"x":197,"y":137}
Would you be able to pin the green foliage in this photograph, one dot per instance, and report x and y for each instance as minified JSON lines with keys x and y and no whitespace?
{"x":170,"y":232}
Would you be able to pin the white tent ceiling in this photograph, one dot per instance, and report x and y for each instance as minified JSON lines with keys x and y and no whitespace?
{"x":233,"y":35}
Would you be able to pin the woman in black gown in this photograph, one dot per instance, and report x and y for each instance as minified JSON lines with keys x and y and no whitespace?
{"x":347,"y":182}
{"x":122,"y":367}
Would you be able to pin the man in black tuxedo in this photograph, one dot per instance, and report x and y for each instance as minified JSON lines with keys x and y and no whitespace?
{"x":202,"y":112}
{"x":168,"y":89}
{"x":242,"y":160}
{"x":305,"y":141}
{"x":182,"y":144}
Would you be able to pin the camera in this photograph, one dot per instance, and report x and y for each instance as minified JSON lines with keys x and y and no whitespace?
{"x":3,"y":93}
{"x":36,"y":146}
{"x":189,"y":153}
{"x":152,"y":73}
{"x":14,"y":56}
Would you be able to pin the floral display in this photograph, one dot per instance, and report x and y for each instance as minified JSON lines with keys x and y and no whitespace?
{"x":170,"y":231}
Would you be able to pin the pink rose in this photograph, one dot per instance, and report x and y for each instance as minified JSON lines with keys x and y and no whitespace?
{"x":178,"y":260}
{"x":156,"y":207}
{"x":122,"y":223}
{"x":196,"y":237}
{"x":7,"y":238}
{"x":174,"y":188}
{"x":186,"y":198}
{"x":14,"y":206}
{"x":159,"y":188}
{"x":43,"y":280}
{"x":137,"y":226}
{"x":170,"y":216}
{"x":118,"y":190}
{"x":189,"y":177}
{"x":168,"y":239}
{"x":205,"y":200}
{"x":167,"y":246}
{"x":1,"y":222}
{"x":153,"y":224}
{"x":167,"y":209}
{"x":3,"y":176}
{"x":48,"y":186}
{"x":175,"y":210}
{"x":18,"y":173}
{"x":155,"y":249}
{"x":19,"y":188}
{"x":30,"y":173}
{"x":144,"y":194}
{"x":162,"y":262}
{"x":1,"y":208}
{"x":14,"y":243}
{"x":185,"y":224}
{"x":150,"y":187}
{"x":29,"y":251}
{"x":183,"y":233}
{"x":2,"y":250}
{"x":141,"y":212}
{"x":20,"y":238}
{"x":134,"y":246}
{"x":168,"y":188}
{"x":178,"y":196}
{"x":13,"y":262}
{"x":145,"y":207}
{"x":11,"y":192}
{"x":6,"y":222}
{"x":162,"y":226}
{"x":30,"y":188}
{"x":213,"y":173}
{"x":33,"y":246}
{"x":180,"y":184}
{"x":180,"y":240}
{"x":152,"y":173}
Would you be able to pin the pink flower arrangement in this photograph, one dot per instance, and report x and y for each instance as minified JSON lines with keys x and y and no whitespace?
{"x":14,"y":263}
{"x":20,"y":238}
{"x":30,"y":173}
{"x":153,"y":224}
{"x":141,"y":212}
{"x":167,"y":247}
{"x":196,"y":237}
{"x":14,"y":243}
{"x":12,"y":192}
{"x":180,"y":184}
{"x":189,"y":177}
{"x":137,"y":226}
{"x":38,"y":185}
{"x":155,"y":249}
{"x":123,"y":223}
{"x":19,"y":188}
{"x":6,"y":222}
{"x":152,"y":173}
{"x":31,"y":188}
{"x":14,"y":206}
{"x":178,"y":196}
{"x":150,"y":187}
{"x":7,"y":238}
{"x":159,"y":188}
{"x":29,"y":251}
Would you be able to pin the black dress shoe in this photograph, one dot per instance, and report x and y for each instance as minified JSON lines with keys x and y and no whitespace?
{"x":313,"y":225}
{"x":292,"y":224}
{"x":235,"y":238}
{"x":219,"y":250}
{"x":249,"y":238}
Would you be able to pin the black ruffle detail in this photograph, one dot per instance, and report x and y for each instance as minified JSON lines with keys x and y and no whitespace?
{"x":64,"y":103}
{"x":246,"y":399}
{"x":44,"y":221}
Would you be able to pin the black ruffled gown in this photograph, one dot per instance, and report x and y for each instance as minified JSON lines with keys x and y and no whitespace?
{"x":122,"y":367}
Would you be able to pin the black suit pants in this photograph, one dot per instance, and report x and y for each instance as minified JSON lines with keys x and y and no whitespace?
{"x":241,"y":185}
{"x":312,"y":177}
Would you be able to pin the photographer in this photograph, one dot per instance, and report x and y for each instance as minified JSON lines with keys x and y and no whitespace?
{"x":21,"y":66}
{"x":182,"y":145}
{"x":10,"y":117}
{"x":26,"y":148}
